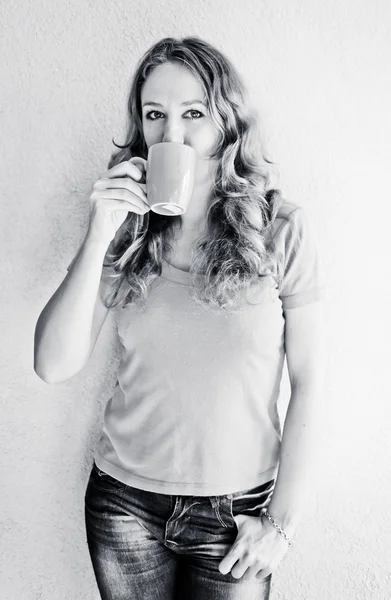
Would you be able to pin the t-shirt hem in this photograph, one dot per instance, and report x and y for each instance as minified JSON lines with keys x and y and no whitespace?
{"x":182,"y":488}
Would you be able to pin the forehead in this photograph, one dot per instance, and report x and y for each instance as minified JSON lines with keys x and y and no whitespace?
{"x":171,"y":81}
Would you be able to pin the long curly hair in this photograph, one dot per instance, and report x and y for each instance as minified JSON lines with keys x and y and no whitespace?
{"x":235,"y":248}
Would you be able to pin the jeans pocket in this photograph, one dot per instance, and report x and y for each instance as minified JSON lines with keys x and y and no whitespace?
{"x":105,"y":482}
{"x":252,"y":501}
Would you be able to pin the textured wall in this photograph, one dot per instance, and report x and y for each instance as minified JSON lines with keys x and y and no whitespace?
{"x":319,"y":74}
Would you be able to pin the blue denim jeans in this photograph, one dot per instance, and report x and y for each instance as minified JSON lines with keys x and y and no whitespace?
{"x":151,"y":546}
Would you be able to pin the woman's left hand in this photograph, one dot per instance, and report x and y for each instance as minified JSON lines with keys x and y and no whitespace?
{"x":257,"y":550}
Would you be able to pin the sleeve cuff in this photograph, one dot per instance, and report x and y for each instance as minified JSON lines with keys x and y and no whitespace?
{"x":302,"y":298}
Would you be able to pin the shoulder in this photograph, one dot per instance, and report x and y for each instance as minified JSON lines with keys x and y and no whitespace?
{"x":285,"y":211}
{"x":287,"y":216}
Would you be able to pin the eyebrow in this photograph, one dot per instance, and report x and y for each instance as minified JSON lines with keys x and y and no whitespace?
{"x":183,"y":103}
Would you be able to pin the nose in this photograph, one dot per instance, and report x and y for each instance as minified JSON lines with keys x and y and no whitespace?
{"x":173,"y":131}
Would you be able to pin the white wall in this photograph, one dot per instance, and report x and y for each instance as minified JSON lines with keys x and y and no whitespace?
{"x":320,"y":74}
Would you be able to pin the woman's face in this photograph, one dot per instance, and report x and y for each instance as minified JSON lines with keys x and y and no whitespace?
{"x":174,"y":110}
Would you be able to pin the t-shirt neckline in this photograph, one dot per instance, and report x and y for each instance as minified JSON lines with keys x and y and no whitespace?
{"x":176,"y":275}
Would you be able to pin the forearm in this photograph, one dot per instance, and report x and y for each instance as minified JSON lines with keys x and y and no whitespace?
{"x":63,"y":331}
{"x":297,"y":456}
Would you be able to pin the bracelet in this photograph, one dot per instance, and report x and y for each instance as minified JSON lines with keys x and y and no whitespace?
{"x":276,"y":525}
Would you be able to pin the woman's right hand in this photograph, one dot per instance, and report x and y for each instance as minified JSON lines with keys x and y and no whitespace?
{"x":113,"y":196}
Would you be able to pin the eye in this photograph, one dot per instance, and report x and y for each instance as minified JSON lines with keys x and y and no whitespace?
{"x":150,"y":113}
{"x":194,"y":115}
{"x":198,"y":114}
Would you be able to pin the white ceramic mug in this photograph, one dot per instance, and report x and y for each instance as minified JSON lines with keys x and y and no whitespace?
{"x":170,"y":175}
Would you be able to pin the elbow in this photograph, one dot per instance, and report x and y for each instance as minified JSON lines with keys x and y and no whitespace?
{"x":53,"y":378}
{"x":40,"y":366}
{"x":46,"y":377}
{"x":43,"y":374}
{"x":55,"y":375}
{"x":55,"y":368}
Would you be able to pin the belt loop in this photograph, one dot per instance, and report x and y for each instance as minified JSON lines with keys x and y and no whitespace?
{"x":214,"y":501}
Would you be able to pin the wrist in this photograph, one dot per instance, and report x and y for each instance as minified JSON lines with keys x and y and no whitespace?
{"x":93,"y":239}
{"x":283,"y":527}
{"x":287,"y":518}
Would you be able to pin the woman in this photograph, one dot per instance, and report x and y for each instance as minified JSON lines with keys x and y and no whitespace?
{"x":194,"y":492}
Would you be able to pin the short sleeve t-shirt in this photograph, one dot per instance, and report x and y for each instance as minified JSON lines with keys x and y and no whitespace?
{"x":194,"y":409}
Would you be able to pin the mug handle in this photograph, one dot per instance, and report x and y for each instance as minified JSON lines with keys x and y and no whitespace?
{"x":137,"y":160}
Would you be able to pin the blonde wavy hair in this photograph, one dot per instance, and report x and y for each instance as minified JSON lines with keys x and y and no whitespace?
{"x":232,"y":253}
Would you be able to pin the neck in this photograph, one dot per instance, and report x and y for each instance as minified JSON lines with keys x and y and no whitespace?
{"x":192,"y":225}
{"x":194,"y":219}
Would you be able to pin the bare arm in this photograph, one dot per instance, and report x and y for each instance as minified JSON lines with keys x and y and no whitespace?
{"x":306,"y":359}
{"x":259,"y":547}
{"x":69,"y":324}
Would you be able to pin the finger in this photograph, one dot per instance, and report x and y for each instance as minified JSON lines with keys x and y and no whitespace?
{"x":140,"y":162}
{"x":134,"y":204}
{"x":254,"y":571}
{"x":121,"y":194}
{"x":124,"y":168}
{"x":240,"y":568}
{"x":121,"y":205}
{"x":263,"y":573}
{"x":123,"y":183}
{"x":229,"y":560}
